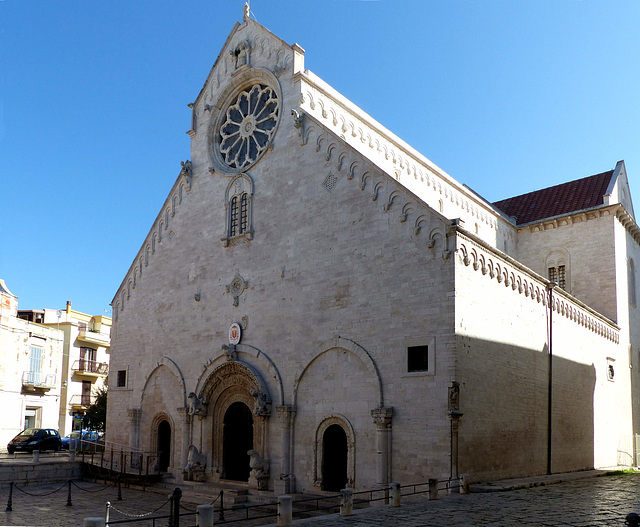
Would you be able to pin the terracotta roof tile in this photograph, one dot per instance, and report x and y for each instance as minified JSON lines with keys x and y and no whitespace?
{"x":561,"y":199}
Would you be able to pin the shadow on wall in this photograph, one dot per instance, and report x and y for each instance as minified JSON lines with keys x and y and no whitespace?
{"x":504,"y":398}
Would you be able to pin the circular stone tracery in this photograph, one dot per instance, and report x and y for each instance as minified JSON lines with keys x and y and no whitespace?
{"x":249,"y":125}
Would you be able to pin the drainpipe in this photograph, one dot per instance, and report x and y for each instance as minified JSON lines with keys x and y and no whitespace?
{"x":550,"y":288}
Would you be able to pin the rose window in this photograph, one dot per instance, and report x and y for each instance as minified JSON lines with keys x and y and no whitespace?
{"x":250,"y":122}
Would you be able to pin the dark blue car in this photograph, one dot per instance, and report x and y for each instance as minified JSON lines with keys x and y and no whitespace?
{"x":35,"y":439}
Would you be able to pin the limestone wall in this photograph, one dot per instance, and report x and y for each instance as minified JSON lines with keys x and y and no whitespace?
{"x":587,"y":240}
{"x":326,"y":261}
{"x":503,"y":367}
{"x":29,"y":473}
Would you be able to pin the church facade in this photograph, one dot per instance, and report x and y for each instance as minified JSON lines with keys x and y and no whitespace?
{"x":318,"y":306}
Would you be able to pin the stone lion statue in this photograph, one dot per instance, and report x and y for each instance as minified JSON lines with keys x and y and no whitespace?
{"x":196,"y":463}
{"x":261,"y":402}
{"x":259,"y":466}
{"x":196,"y":405}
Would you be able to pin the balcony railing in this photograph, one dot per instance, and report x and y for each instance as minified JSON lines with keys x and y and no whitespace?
{"x":82,"y":401}
{"x":90,"y":366}
{"x":35,"y":380}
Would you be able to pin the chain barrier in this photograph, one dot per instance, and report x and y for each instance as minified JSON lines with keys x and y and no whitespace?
{"x":130,"y":515}
{"x":95,"y":490}
{"x":188,"y":510}
{"x":40,"y":495}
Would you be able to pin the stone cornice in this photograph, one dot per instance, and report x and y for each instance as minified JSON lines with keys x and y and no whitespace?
{"x":521,"y":280}
{"x":628,"y":222}
{"x":387,"y":151}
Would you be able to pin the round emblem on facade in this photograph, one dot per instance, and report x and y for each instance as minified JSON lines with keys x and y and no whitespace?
{"x":235,"y":333}
{"x":248,"y":126}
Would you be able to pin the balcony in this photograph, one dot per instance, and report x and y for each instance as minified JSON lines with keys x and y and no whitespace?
{"x":90,"y":368}
{"x":81,"y":402}
{"x":38,"y":382}
{"x":92,"y":337}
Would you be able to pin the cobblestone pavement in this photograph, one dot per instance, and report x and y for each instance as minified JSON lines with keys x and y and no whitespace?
{"x":589,"y":502}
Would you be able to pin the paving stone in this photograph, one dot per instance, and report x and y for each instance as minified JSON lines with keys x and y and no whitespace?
{"x":592,"y":502}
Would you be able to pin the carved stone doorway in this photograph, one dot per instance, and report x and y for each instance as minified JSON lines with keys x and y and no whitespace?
{"x":164,"y":445}
{"x":237,"y":441}
{"x":334,"y":459}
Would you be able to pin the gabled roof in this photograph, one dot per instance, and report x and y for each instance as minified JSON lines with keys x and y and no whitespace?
{"x":558,"y":200}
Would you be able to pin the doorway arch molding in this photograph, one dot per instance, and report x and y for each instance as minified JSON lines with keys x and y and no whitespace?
{"x":345,"y":424}
{"x":229,"y":383}
{"x":222,"y":358}
{"x":159,"y":418}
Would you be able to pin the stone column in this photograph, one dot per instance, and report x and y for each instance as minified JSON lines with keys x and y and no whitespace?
{"x":135,"y":415}
{"x":454,"y":414}
{"x":382,"y":419}
{"x":186,"y":435}
{"x":286,"y":483}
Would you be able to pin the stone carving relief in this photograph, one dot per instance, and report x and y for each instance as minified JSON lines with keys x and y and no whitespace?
{"x":236,"y":288}
{"x":241,"y":54}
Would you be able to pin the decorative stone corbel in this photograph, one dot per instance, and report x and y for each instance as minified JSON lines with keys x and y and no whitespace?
{"x":187,"y":172}
{"x":298,"y":123}
{"x":230,"y":351}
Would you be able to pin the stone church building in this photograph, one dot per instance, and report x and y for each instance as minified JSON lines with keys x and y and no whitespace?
{"x":319,"y":306}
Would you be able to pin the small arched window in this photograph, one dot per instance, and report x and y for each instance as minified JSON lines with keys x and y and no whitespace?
{"x":557,"y":265}
{"x":238,"y":209}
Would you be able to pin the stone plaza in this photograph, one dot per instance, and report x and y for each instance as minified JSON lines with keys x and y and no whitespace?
{"x":580,"y":500}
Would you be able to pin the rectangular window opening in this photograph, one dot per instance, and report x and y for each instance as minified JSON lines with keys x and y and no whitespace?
{"x":418,"y":358}
{"x":121,"y":380}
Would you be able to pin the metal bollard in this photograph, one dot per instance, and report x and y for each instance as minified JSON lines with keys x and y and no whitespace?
{"x":10,"y":502}
{"x":632,"y":519}
{"x":72,"y":454}
{"x":93,"y":522}
{"x":205,"y":515}
{"x":36,"y":456}
{"x":433,"y":489}
{"x":395,"y":495}
{"x":464,"y":484}
{"x":221,"y":514}
{"x":177,"y":495}
{"x":346,"y":504}
{"x":285,"y":511}
{"x":69,"y":504}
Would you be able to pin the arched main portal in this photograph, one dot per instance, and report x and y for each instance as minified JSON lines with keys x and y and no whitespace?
{"x":334,"y":458}
{"x":237,"y":441}
{"x":239,"y":407}
{"x":164,"y":445}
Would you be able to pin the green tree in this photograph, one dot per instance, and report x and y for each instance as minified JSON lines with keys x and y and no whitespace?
{"x":96,"y":416}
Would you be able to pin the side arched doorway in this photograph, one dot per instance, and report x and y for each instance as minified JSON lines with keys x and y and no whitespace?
{"x":237,"y":441}
{"x":164,"y":445}
{"x":334,"y":458}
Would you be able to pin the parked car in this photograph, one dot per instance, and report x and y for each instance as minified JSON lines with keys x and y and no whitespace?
{"x":32,"y":439}
{"x":86,"y":440}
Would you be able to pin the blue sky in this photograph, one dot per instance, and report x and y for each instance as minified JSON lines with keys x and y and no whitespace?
{"x":507,"y":96}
